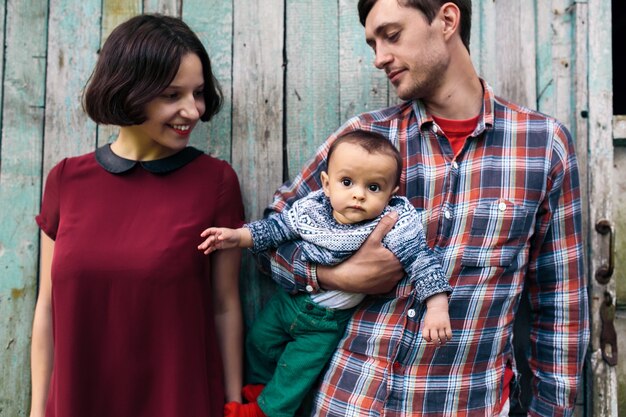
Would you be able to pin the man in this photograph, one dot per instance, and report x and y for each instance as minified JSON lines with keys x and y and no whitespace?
{"x":497,"y":187}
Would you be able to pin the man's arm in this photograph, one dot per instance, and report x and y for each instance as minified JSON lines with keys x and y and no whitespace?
{"x":558,"y":288}
{"x":373,"y":269}
{"x":366,"y":271}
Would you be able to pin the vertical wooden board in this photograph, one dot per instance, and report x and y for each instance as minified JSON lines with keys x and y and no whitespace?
{"x":363,"y":86}
{"x":563,"y":67}
{"x":166,"y":7}
{"x":257,"y":103}
{"x":475,"y":44}
{"x":487,"y":36}
{"x":212,"y":21}
{"x":545,"y":76}
{"x":20,"y":187}
{"x":257,"y":116}
{"x":556,"y":64}
{"x":114,"y":12}
{"x":604,"y":379}
{"x":2,"y":30}
{"x":515,"y":63}
{"x":312,"y":83}
{"x":73,"y":43}
{"x":581,"y":107}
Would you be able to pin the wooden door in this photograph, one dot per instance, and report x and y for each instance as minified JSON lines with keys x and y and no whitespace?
{"x":292,"y":71}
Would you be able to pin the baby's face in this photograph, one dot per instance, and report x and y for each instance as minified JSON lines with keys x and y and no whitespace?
{"x":358,"y":183}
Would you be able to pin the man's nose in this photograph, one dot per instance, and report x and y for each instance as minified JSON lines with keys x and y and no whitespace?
{"x":382,"y":57}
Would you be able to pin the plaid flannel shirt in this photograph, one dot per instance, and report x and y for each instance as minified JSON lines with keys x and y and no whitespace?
{"x":504,"y":214}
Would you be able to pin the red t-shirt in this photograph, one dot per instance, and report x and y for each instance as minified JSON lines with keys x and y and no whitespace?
{"x":456,"y":131}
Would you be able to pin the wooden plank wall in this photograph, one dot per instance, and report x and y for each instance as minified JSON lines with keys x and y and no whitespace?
{"x":291,"y":70}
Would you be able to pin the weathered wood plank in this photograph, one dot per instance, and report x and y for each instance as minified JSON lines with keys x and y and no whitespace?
{"x":363,"y":87}
{"x":258,"y":110}
{"x":212,"y":20}
{"x":73,"y":43}
{"x":556,"y":61}
{"x":579,"y":129}
{"x":600,"y":162}
{"x":20,"y":188}
{"x":515,"y":63}
{"x":487,"y":36}
{"x":2,"y":32}
{"x":114,"y":12}
{"x":312,"y":85}
{"x":167,"y":7}
{"x":475,"y":44}
{"x":257,"y":117}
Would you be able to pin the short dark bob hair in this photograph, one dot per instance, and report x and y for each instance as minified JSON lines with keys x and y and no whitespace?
{"x":430,"y":8}
{"x":373,"y":143}
{"x":139,"y":60}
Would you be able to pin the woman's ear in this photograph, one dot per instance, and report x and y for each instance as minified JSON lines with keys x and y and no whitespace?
{"x":325,"y":183}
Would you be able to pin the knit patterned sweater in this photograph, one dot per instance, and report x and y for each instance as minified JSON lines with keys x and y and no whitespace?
{"x":327,"y":242}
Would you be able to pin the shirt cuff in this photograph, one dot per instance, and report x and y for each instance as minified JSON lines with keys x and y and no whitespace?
{"x":306,"y":273}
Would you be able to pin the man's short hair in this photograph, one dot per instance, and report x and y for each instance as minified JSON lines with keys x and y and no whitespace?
{"x":139,"y":60}
{"x":430,"y":9}
{"x":373,"y":143}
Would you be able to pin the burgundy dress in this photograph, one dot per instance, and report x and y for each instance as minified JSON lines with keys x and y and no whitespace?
{"x":133,"y":325}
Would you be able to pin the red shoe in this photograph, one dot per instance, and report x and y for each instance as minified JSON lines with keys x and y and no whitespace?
{"x":234,"y":409}
{"x":252,"y":391}
{"x":231,"y":409}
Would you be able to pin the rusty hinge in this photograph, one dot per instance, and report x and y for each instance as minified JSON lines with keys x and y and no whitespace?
{"x":608,"y":336}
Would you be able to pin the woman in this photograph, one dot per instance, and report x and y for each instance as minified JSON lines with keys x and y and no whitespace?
{"x":130,"y":319}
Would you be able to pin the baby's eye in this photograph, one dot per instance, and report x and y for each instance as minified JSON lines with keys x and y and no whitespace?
{"x":346,"y":182}
{"x":374,"y":188}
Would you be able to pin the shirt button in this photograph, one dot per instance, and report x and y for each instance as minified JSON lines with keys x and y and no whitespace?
{"x":436,"y":130}
{"x":411,"y":313}
{"x":397,"y":365}
{"x":447,"y":214}
{"x":455,"y":165}
{"x":309,"y":288}
{"x":502,"y":206}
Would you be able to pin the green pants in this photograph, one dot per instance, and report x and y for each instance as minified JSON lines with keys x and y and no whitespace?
{"x":287,"y":348}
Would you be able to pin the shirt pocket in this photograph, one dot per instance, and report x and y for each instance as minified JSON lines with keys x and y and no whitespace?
{"x":499,"y":230}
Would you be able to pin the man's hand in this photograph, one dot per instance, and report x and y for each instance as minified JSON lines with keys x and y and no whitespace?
{"x":373,"y":269}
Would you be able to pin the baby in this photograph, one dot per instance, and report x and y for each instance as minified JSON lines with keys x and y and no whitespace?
{"x":358,"y":188}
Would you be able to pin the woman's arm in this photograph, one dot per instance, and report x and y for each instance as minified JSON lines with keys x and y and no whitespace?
{"x":228,"y":318}
{"x":41,"y":347}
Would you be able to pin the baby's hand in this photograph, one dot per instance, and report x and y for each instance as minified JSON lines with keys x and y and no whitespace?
{"x":437,"y":327}
{"x":218,"y":238}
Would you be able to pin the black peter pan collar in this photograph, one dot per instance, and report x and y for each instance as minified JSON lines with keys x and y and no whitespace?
{"x":117,"y":165}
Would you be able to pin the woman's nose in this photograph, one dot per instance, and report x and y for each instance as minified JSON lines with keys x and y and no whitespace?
{"x":189,"y":108}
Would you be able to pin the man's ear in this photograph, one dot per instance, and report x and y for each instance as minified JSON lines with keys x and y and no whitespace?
{"x":325,"y":183}
{"x":450,"y":16}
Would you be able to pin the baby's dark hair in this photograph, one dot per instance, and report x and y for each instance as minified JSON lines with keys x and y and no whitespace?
{"x":373,"y":143}
{"x":139,"y":60}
